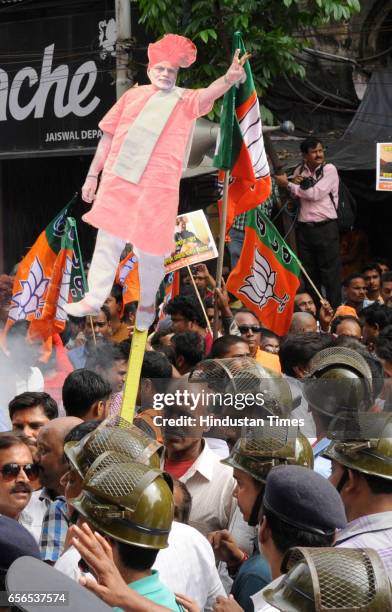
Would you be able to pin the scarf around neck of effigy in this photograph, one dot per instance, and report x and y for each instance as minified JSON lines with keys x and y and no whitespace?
{"x":144,"y":133}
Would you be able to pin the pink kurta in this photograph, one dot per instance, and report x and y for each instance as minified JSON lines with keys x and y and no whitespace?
{"x":145,"y":214}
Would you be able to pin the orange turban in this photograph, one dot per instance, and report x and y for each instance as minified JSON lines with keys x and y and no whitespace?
{"x":178,"y":50}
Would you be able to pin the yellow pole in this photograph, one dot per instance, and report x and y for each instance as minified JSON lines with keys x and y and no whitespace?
{"x":132,"y":380}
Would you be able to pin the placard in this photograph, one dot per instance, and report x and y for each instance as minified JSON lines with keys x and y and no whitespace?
{"x":194,"y":242}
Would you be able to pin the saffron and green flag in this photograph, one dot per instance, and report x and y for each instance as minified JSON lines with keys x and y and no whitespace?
{"x":127,"y":276}
{"x":48,"y":277}
{"x":266,"y":277}
{"x":240,"y":147}
{"x":169,"y":289}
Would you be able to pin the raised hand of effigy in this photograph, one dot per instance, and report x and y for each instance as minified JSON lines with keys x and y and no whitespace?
{"x":236,"y":72}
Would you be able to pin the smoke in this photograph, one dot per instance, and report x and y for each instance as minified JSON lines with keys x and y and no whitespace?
{"x":18,"y":370}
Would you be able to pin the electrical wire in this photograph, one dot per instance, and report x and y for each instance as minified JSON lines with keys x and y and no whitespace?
{"x":327,"y":94}
{"x":313,"y":103}
{"x":373,"y":57}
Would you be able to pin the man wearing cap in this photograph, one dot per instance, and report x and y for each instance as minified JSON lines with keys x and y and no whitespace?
{"x":145,"y":145}
{"x":300,"y":508}
{"x":362,"y":474}
{"x":252,"y":458}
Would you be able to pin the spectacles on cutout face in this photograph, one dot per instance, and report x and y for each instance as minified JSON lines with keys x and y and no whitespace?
{"x":9,"y":471}
{"x":246,"y":328}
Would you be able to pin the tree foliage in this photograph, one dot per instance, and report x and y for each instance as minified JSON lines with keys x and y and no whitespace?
{"x":273,"y":30}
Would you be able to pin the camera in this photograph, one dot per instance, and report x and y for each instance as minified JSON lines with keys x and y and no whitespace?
{"x":307,"y":183}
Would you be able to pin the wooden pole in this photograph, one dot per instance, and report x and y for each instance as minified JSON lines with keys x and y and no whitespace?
{"x":200,"y":300}
{"x":221,"y":249}
{"x":92,"y":329}
{"x":322,"y":299}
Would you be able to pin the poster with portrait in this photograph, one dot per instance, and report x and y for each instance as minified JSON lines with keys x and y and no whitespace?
{"x":384,"y":166}
{"x":193,"y":240}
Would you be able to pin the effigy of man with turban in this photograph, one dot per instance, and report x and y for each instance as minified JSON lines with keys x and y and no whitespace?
{"x":143,"y":151}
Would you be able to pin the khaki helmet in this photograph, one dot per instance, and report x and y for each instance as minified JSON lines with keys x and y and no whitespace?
{"x":243,"y":375}
{"x":326,"y":579}
{"x":339,"y":380}
{"x":263,"y":448}
{"x":130,"y":502}
{"x":117,"y":435}
{"x":367,"y":450}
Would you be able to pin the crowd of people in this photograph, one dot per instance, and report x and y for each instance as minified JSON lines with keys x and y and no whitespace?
{"x":207,"y":517}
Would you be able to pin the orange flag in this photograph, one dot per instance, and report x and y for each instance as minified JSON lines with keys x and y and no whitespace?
{"x":46,"y":277}
{"x":172,"y":288}
{"x":127,"y":276}
{"x":266,"y":277}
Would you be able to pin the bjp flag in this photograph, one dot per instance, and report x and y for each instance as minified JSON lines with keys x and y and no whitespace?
{"x":240,"y":146}
{"x":127,"y":276}
{"x":266,"y":277}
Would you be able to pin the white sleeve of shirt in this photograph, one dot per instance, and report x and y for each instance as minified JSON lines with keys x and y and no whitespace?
{"x":187,"y":566}
{"x":68,"y":564}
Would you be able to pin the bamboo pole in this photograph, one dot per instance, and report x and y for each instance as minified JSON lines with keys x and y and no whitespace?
{"x":221,"y":249}
{"x":200,"y":300}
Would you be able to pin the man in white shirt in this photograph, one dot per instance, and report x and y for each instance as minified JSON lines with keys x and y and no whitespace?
{"x":189,"y":459}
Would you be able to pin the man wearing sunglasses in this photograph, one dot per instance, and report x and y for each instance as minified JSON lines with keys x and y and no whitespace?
{"x":250,"y":329}
{"x":18,"y":476}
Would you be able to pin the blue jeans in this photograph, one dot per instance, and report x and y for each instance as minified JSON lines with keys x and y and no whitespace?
{"x":235,"y":246}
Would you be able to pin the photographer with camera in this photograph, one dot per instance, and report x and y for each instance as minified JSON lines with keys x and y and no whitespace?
{"x":315,"y":184}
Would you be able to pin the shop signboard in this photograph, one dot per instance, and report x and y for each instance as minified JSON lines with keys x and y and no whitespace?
{"x":56,"y":83}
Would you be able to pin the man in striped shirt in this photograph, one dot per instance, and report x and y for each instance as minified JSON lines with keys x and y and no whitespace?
{"x":362,"y":473}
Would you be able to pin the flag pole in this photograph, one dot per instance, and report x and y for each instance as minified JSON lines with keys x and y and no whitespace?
{"x":221,"y":249}
{"x":200,"y":300}
{"x":317,"y":292}
{"x":78,"y":250}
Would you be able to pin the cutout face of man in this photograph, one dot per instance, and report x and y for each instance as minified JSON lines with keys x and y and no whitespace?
{"x":163,"y":75}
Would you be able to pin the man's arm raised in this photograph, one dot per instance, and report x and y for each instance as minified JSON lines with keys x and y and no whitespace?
{"x":90,"y":185}
{"x":110,"y":585}
{"x":219,"y":87}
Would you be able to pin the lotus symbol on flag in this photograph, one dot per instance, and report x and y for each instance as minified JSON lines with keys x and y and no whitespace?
{"x":260,"y":285}
{"x":30,"y":299}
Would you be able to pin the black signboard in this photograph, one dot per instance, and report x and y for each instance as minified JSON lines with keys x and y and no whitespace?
{"x":56,"y":83}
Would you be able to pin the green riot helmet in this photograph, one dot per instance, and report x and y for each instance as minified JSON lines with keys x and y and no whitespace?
{"x":261,"y":449}
{"x":369,"y":450}
{"x":117,"y":435}
{"x":130,"y":502}
{"x":238,"y":376}
{"x":325,"y":579}
{"x":339,"y":380}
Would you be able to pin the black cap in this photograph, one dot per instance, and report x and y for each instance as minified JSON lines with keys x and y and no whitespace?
{"x":304,"y":499}
{"x":15,"y":542}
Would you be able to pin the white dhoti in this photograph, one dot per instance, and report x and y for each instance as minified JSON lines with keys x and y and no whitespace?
{"x":102,"y":272}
